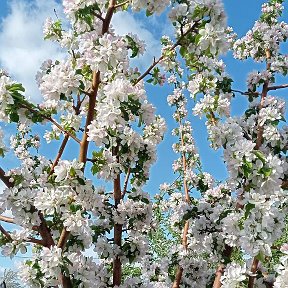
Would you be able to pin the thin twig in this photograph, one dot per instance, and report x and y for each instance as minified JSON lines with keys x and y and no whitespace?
{"x":179,"y":272}
{"x":30,"y":239}
{"x":5,"y":179}
{"x":6,"y":219}
{"x":155,"y":62}
{"x":277,"y":87}
{"x":60,"y":152}
{"x":263,"y":96}
{"x":126,"y":183}
{"x":36,"y":241}
{"x":5,"y":233}
{"x":218,"y":274}
{"x":122,"y":4}
{"x":97,"y":15}
{"x":254,"y":269}
{"x":117,"y":265}
{"x":63,"y":130}
{"x":246,"y":92}
{"x":52,"y":121}
{"x":86,"y":93}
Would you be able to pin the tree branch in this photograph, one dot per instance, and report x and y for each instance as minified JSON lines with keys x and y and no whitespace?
{"x":63,"y":130}
{"x":108,"y":16}
{"x":99,"y":16}
{"x":179,"y":272}
{"x":121,"y":4}
{"x":263,"y":96}
{"x":63,"y":238}
{"x":254,"y":269}
{"x":5,"y":233}
{"x":246,"y":92}
{"x":43,"y":228}
{"x":6,"y":219}
{"x":90,"y":115}
{"x":36,"y":241}
{"x":117,"y":266}
{"x":66,"y":281}
{"x":218,"y":274}
{"x":277,"y":87}
{"x":30,"y":239}
{"x":285,"y":184}
{"x":60,"y":152}
{"x":52,"y":121}
{"x":45,"y":232}
{"x":178,"y":277}
{"x":5,"y":179}
{"x":126,"y":183}
{"x":155,"y":62}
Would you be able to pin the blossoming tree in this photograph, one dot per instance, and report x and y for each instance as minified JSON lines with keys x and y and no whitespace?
{"x":234,"y":235}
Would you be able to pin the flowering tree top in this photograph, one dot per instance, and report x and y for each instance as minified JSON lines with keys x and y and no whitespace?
{"x":233,"y":235}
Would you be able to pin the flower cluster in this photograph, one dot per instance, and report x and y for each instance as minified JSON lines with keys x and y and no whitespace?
{"x":282,"y":269}
{"x":151,"y":6}
{"x":106,"y":54}
{"x":59,"y":81}
{"x":267,"y":34}
{"x":121,"y":105}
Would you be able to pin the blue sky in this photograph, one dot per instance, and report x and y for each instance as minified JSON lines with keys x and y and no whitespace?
{"x":22,"y":51}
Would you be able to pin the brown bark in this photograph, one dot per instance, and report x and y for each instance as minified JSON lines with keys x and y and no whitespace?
{"x":117,"y":266}
{"x":5,"y":179}
{"x":178,"y":277}
{"x":218,"y":274}
{"x":6,"y":219}
{"x":179,"y":271}
{"x":65,"y":281}
{"x":254,"y":269}
{"x":59,"y":155}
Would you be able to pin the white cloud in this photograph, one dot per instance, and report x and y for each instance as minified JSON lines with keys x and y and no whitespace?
{"x":124,"y":23}
{"x":22,"y":48}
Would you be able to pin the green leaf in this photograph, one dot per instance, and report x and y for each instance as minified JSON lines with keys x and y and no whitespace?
{"x":260,"y":156}
{"x":16,"y":87}
{"x":1,"y":152}
{"x":72,"y":172}
{"x":182,"y":51}
{"x":266,"y":171}
{"x":247,"y":168}
{"x":148,"y":13}
{"x":81,"y":181}
{"x":96,"y":167}
{"x":261,"y":257}
{"x":14,"y":117}
{"x":197,"y":38}
{"x":248,"y":208}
